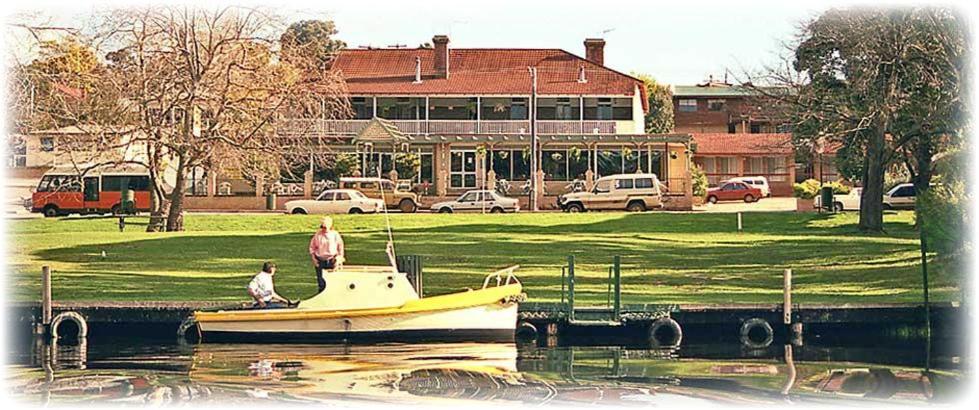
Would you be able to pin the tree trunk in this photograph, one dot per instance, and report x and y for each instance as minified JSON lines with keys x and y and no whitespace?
{"x":175,"y":216}
{"x":923,"y":155}
{"x":872,"y":196}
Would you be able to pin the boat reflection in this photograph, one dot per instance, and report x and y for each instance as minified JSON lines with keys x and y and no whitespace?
{"x":462,"y":373}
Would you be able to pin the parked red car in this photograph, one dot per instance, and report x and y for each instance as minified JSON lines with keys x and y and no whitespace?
{"x":733,"y":191}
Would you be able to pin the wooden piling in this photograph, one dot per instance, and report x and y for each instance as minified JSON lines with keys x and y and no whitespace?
{"x":45,"y":297}
{"x":787,"y":297}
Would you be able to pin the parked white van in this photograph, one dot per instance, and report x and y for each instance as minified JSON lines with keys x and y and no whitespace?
{"x":631,"y":192}
{"x":756,"y":182}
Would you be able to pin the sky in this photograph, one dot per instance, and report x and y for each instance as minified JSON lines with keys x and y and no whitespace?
{"x":677,"y":42}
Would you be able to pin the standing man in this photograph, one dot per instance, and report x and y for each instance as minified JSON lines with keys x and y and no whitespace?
{"x":326,"y":250}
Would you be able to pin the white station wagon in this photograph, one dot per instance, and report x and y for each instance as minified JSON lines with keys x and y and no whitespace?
{"x":336,"y":201}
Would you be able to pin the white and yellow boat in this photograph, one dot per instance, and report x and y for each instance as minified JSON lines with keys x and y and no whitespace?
{"x":378,"y":303}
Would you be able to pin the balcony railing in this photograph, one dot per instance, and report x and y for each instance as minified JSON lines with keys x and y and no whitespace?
{"x":302,"y":126}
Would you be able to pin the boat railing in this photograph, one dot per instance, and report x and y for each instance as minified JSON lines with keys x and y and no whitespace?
{"x":502,"y":280}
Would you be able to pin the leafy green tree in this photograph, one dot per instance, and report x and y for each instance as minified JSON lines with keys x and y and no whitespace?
{"x":311,"y":41}
{"x":659,"y":119}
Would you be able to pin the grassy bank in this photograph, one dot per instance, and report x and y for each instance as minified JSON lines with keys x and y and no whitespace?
{"x":686,"y":258}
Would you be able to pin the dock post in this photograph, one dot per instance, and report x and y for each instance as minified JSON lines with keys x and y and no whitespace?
{"x":45,"y":300}
{"x":570,"y":287}
{"x":617,"y":273}
{"x":794,"y":329}
{"x":787,"y":297}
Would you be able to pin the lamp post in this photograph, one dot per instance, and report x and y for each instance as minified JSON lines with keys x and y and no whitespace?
{"x":533,"y":139}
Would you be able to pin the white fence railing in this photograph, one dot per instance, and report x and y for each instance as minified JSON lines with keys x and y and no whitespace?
{"x":301,"y":126}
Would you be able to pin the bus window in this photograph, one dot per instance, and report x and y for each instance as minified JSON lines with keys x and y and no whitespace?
{"x":113,"y":183}
{"x":139,"y":183}
{"x":91,"y":189}
{"x":45,"y":184}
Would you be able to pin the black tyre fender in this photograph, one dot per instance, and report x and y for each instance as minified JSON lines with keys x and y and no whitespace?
{"x":837,"y":207}
{"x":575,"y":207}
{"x":496,"y":210}
{"x":355,"y":211}
{"x":298,"y":211}
{"x":749,"y":334}
{"x":665,"y":332}
{"x":526,"y":331}
{"x":445,"y":210}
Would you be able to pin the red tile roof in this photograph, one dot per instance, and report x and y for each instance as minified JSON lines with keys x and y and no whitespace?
{"x":742,"y":144}
{"x":479,"y":71}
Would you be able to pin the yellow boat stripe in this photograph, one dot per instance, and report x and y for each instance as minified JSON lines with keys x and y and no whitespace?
{"x":430,"y":304}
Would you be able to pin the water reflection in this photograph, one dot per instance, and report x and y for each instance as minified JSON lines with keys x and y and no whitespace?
{"x":455,"y":373}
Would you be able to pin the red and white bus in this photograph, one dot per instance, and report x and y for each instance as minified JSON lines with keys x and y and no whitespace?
{"x":62,"y":191}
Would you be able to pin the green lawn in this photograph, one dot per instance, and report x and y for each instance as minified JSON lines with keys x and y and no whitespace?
{"x":667,"y":258}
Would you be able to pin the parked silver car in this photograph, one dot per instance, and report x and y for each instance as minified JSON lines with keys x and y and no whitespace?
{"x":478,"y":201}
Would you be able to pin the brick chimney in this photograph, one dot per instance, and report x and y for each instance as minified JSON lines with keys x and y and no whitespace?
{"x":441,"y":43}
{"x":595,"y":50}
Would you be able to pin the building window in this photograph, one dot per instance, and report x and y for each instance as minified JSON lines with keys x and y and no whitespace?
{"x":47,"y":144}
{"x":18,"y":153}
{"x":755,"y":128}
{"x":503,"y":109}
{"x":401,"y":108}
{"x":732,"y":128}
{"x":462,"y":170}
{"x":688,"y":105}
{"x":427,"y":174}
{"x":609,"y":162}
{"x":452,"y":109}
{"x":555,"y":165}
{"x":783,"y":128}
{"x":715,"y":105}
{"x":566,"y":109}
{"x":363,"y":107}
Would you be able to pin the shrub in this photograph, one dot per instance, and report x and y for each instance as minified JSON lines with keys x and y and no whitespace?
{"x":838,"y":188}
{"x":699,"y":180}
{"x":807,"y":189}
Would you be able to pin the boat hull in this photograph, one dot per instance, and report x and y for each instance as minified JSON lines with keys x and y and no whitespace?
{"x":490,"y":322}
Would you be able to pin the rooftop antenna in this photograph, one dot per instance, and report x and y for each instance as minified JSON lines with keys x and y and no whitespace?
{"x":606,"y":31}
{"x":398,"y":46}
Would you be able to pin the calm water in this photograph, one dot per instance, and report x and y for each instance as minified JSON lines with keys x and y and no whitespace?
{"x":159,"y":373}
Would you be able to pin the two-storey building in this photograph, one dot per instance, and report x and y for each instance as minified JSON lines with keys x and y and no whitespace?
{"x":737,"y":133}
{"x":470,"y":113}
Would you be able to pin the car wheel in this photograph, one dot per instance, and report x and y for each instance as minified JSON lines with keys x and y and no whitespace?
{"x":298,"y":211}
{"x":837,"y":207}
{"x":496,"y":210}
{"x":636,"y":206}
{"x":116,"y":209}
{"x":445,"y":210}
{"x":575,"y":208}
{"x":749,"y":198}
{"x":356,"y":211}
{"x":712,"y":199}
{"x":407,"y":206}
{"x":50,"y":211}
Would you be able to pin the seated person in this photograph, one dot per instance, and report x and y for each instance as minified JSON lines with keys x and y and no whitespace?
{"x":262,"y":289}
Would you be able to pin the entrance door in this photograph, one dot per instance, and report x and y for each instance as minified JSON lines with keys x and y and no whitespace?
{"x":90,"y":189}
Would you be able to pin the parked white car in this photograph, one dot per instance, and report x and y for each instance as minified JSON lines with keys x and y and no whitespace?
{"x":478,"y":201}
{"x":756,"y":182}
{"x":900,"y":197}
{"x":336,"y":201}
{"x":843,"y":202}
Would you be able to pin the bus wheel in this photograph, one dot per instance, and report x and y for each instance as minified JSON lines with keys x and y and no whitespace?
{"x":116,"y":210}
{"x":50,"y":211}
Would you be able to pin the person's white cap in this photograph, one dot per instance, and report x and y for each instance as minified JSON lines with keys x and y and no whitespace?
{"x":327,"y":222}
